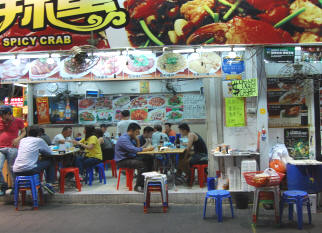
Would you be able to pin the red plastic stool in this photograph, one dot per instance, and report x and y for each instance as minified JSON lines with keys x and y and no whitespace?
{"x":202,"y":176}
{"x":129,"y":177}
{"x":113,"y":166}
{"x":64,"y":172}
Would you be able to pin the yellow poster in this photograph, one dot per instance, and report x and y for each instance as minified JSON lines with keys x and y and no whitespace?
{"x":144,"y":87}
{"x":235,"y":112}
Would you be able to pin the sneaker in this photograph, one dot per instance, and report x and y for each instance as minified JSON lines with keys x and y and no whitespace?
{"x":49,"y":189}
{"x":138,"y":189}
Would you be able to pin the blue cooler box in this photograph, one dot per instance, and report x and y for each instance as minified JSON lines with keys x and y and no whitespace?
{"x":307,"y":178}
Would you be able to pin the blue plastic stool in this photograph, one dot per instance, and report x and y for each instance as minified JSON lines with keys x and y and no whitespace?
{"x":299,"y":198}
{"x":90,"y":174}
{"x":24,"y":183}
{"x":218,"y":195}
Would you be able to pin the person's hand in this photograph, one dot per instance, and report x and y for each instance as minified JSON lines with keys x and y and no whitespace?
{"x":15,"y":142}
{"x":150,"y":148}
{"x":75,"y":142}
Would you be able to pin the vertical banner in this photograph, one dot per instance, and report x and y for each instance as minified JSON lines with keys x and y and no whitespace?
{"x":235,"y":112}
{"x":43,"y":110}
{"x":144,"y":87}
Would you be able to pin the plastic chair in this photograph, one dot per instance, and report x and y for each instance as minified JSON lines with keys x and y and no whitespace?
{"x":202,"y":176}
{"x":90,"y":174}
{"x":156,"y":183}
{"x":298,"y":198}
{"x":24,"y":183}
{"x":64,"y":172}
{"x":258,"y":190}
{"x":218,"y":195}
{"x":113,"y":167}
{"x":129,"y":172}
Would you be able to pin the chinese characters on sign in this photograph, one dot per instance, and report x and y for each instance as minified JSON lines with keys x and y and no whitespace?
{"x":244,"y":88}
{"x":235,"y":112}
{"x":279,"y":54}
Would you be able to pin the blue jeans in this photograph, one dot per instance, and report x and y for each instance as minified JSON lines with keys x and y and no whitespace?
{"x":10,"y":155}
{"x":84,"y":162}
{"x":46,"y":165}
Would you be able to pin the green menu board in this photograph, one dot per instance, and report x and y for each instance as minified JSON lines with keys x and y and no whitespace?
{"x":235,"y":112}
{"x":244,"y":88}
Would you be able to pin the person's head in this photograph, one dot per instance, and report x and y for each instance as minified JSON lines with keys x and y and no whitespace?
{"x":125,"y":114}
{"x":167,"y":127}
{"x":33,"y":131}
{"x":133,"y":130}
{"x":99,"y":133}
{"x":103,"y":127}
{"x":184,"y":129}
{"x":6,"y":112}
{"x":67,"y":131}
{"x":158,"y":128}
{"x":147,"y":132}
{"x":42,"y":131}
{"x":89,"y":131}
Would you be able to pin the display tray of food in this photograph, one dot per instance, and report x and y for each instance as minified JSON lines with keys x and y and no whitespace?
{"x":262,"y":179}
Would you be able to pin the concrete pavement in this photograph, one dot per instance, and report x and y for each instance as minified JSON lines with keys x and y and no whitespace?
{"x":103,"y":218}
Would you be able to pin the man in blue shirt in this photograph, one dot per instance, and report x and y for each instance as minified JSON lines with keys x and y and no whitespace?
{"x":125,"y":154}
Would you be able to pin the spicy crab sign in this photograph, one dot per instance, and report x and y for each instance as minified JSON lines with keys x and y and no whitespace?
{"x":34,"y":25}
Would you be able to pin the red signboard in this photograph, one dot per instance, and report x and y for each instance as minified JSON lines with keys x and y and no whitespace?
{"x":38,"y":25}
{"x":16,"y":102}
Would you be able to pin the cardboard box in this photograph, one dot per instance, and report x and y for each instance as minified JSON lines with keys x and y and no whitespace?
{"x":313,"y":202}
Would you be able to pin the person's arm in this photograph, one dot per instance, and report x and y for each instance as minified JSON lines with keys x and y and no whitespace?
{"x":138,"y":144}
{"x":128,"y":146}
{"x":16,"y":141}
{"x":90,"y":143}
{"x":101,"y":140}
{"x":44,"y":148}
{"x":191,"y":138}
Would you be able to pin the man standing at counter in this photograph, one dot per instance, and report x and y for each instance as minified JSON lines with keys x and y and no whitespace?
{"x":125,"y":154}
{"x":64,"y":136}
{"x":124,"y":123}
{"x":9,"y":138}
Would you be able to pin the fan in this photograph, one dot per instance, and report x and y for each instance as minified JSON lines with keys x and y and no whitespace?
{"x":80,"y":61}
{"x":302,"y":73}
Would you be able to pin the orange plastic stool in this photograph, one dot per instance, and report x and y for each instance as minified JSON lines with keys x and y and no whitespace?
{"x":113,"y":166}
{"x":202,"y":176}
{"x":64,"y":172}
{"x":129,"y":172}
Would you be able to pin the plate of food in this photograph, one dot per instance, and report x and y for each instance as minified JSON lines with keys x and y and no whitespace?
{"x":156,"y":102}
{"x":202,"y":63}
{"x":109,"y":66}
{"x":139,"y":102}
{"x":291,"y":97}
{"x":104,"y":116}
{"x":174,"y":115}
{"x":69,"y":69}
{"x":10,"y":70}
{"x":86,"y":103}
{"x":171,"y":63}
{"x":117,"y":115}
{"x":139,"y":114}
{"x":175,"y":100}
{"x":121,"y":102}
{"x":87,"y":117}
{"x":104,"y":103}
{"x":140,"y":64}
{"x":43,"y":67}
{"x":157,"y":115}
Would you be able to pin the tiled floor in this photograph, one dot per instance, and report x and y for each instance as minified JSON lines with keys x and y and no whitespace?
{"x":111,"y":182}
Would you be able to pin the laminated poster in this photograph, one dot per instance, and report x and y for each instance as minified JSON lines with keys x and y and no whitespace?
{"x":235,"y":112}
{"x":244,"y":88}
{"x":43,"y":110}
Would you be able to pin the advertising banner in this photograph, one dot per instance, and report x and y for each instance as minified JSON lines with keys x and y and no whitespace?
{"x":40,"y":25}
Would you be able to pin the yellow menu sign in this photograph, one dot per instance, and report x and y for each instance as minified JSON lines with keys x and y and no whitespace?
{"x":235,"y":112}
{"x":244,"y":88}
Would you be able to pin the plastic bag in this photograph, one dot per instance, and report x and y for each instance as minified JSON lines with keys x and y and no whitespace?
{"x":270,"y":172}
{"x":223,"y":183}
{"x":279,"y":157}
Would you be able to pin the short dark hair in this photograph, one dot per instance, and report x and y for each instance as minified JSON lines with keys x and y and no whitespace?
{"x":125,"y":113}
{"x":42,"y":130}
{"x":104,"y":125}
{"x":168,"y":124}
{"x":133,"y":127}
{"x":99,"y":133}
{"x":158,"y":128}
{"x":33,"y":131}
{"x":66,"y":128}
{"x":184,"y":126}
{"x":147,"y":129}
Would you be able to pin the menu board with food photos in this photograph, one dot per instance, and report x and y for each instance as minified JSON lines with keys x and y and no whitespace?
{"x":143,"y":108}
{"x":285,"y":98}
